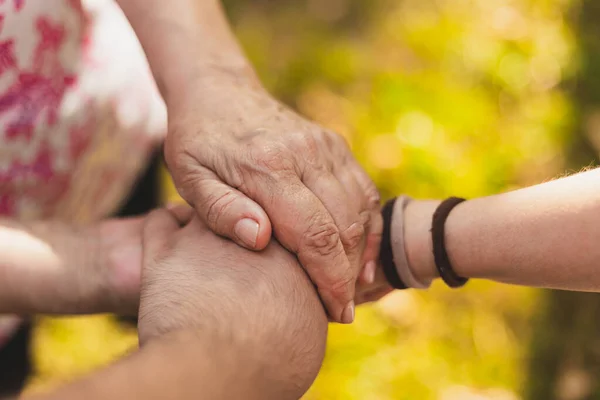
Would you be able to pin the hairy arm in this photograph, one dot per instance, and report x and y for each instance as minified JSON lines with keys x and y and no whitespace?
{"x":182,"y":365}
{"x":216,"y":322}
{"x":543,"y":236}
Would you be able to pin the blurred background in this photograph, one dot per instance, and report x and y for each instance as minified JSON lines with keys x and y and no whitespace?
{"x":437,"y":98}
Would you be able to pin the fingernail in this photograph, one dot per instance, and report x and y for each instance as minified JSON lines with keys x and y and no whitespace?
{"x":348,"y":313}
{"x":370,"y":272}
{"x":246,"y":231}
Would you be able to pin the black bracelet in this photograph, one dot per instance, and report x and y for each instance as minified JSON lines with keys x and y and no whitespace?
{"x":386,"y":255}
{"x":442,"y":261}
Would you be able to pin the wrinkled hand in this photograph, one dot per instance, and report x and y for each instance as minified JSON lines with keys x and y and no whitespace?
{"x":251,"y":167}
{"x":262,"y":303}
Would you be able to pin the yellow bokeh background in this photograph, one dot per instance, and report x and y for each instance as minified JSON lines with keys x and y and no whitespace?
{"x":437,"y":98}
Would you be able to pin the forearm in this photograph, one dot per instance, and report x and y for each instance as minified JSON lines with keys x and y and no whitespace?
{"x":32,"y":256}
{"x":186,"y":42}
{"x":54,"y":267}
{"x":543,"y":236}
{"x":184,"y":365}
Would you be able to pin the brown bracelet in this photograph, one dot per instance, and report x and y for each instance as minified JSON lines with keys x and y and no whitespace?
{"x":386,"y":254}
{"x":442,"y":261}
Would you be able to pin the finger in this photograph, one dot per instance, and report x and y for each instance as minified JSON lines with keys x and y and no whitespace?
{"x":367,"y":275}
{"x":183,"y":213}
{"x":344,"y":207}
{"x":374,"y":232}
{"x":227,"y":211}
{"x":367,"y":247}
{"x":374,"y":227}
{"x":358,"y":200}
{"x":304,"y":226}
{"x":343,"y":202}
{"x":159,"y":227}
{"x":351,"y":174}
{"x":371,"y":254}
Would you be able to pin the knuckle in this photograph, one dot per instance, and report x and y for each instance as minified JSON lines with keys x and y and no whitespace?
{"x":306,"y":142}
{"x":324,"y":239}
{"x":373,"y":197}
{"x":338,"y":144}
{"x":338,"y":140}
{"x":353,"y":235}
{"x":340,"y":285}
{"x":365,"y":218}
{"x":305,"y":146}
{"x":272,"y":156}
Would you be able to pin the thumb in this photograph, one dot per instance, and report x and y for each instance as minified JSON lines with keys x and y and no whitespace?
{"x":228,"y":212}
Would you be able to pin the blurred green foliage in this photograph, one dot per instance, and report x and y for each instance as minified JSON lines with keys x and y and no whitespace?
{"x":437,"y":98}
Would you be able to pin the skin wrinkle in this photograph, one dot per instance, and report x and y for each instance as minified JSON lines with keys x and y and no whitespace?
{"x":353,"y":235}
{"x":270,"y":159}
{"x":218,"y":206}
{"x":323,"y":237}
{"x":216,"y":106}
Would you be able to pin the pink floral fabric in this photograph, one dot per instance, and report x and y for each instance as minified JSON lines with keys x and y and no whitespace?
{"x":79,"y":110}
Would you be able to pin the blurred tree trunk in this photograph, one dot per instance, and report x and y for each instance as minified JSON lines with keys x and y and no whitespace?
{"x":565,"y":347}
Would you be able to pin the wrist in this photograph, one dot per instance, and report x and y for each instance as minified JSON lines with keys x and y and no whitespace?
{"x":202,"y":83}
{"x":462,"y":233}
{"x":187,"y":43}
{"x":118,"y":245}
{"x":418,"y":244}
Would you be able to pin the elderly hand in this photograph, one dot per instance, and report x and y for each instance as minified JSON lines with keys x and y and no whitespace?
{"x":263,"y":303}
{"x":251,"y":167}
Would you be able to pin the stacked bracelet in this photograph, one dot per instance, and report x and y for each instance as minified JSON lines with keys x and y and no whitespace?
{"x":393,"y":254}
{"x":393,"y":258}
